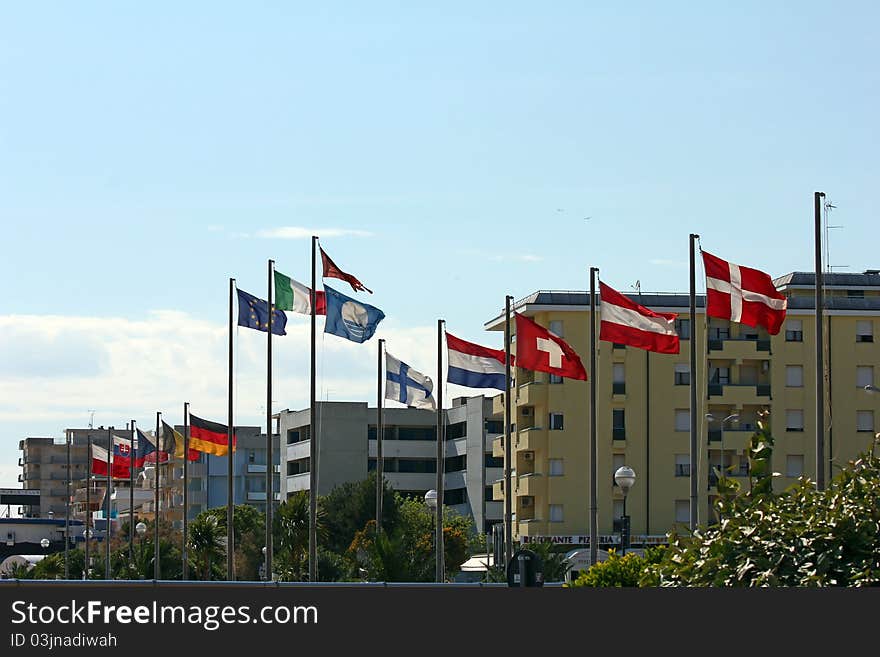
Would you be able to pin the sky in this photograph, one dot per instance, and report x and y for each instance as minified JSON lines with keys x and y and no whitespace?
{"x":446,"y":155}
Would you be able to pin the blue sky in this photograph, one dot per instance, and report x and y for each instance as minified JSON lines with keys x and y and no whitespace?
{"x":143,"y":149}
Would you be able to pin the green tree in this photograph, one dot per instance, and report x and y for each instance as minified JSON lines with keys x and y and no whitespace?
{"x":50,"y":567}
{"x":630,"y":569}
{"x":206,"y":543}
{"x":348,"y":508}
{"x":249,"y":537}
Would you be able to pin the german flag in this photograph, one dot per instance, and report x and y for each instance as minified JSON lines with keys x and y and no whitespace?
{"x":207,"y":436}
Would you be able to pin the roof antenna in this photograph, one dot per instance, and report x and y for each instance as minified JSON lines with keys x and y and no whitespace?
{"x":91,"y":419}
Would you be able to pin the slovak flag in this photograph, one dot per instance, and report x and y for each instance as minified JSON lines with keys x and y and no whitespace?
{"x":99,"y":464}
{"x":626,"y":322}
{"x":743,"y":295}
{"x":121,"y":451}
{"x":474,"y":366}
{"x":539,"y":350}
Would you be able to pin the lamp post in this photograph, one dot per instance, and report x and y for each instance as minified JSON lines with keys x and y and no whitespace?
{"x":263,"y":566}
{"x":624,"y":477}
{"x":87,"y":535}
{"x":733,"y":417}
{"x":431,"y":503}
{"x":44,"y":543}
{"x":141,"y":529}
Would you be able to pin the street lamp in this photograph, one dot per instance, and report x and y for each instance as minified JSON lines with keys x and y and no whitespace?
{"x":733,"y":417}
{"x":263,"y":566}
{"x":87,"y":565}
{"x":624,"y":477}
{"x":44,"y":543}
{"x":141,"y":529}
{"x":431,"y":503}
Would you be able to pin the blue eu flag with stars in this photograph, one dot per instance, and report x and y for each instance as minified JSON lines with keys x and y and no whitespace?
{"x":254,"y":313}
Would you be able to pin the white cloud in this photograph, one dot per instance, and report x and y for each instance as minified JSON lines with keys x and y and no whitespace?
{"x":662,"y":262}
{"x":300,"y":233}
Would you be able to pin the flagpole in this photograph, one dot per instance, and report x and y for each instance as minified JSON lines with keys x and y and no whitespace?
{"x":313,"y":434}
{"x":67,"y":515}
{"x":156,"y":572}
{"x":131,"y":466}
{"x":693,"y":387}
{"x":269,"y":492}
{"x":380,"y":476}
{"x":508,"y":490}
{"x":87,"y":534}
{"x":230,"y":535}
{"x":108,"y":507}
{"x":820,"y":355}
{"x":594,"y":450}
{"x":441,"y":461}
{"x":184,"y":553}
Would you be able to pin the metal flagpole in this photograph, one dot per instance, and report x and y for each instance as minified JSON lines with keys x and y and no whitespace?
{"x":131,"y":466}
{"x":158,"y":454}
{"x":693,"y":388}
{"x":820,"y":364}
{"x":87,"y":533}
{"x":508,"y":490}
{"x":67,"y":516}
{"x":439,"y":574}
{"x":184,"y":551}
{"x":313,"y":432}
{"x":230,"y":546}
{"x":380,"y":469}
{"x":594,"y":450}
{"x":108,"y":506}
{"x":269,"y":492}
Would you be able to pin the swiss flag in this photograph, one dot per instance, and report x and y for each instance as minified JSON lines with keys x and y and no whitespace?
{"x":743,"y":295}
{"x":539,"y":350}
{"x":332,"y":271}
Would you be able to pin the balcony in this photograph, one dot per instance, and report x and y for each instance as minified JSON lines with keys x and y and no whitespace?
{"x":531,"y":485}
{"x":739,"y":348}
{"x":532,"y":393}
{"x":498,"y":447}
{"x":531,"y":439}
{"x":739,"y":394}
{"x":498,"y":490}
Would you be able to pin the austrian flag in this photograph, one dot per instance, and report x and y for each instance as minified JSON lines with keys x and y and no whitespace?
{"x":626,"y":322}
{"x":742,"y":294}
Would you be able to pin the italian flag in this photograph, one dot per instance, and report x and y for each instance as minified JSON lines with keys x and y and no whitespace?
{"x":291,"y":295}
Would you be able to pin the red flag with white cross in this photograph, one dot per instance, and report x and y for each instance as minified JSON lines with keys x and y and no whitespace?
{"x":540,"y":350}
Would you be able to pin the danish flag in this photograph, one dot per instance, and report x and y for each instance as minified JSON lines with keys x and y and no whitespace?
{"x":743,"y":295}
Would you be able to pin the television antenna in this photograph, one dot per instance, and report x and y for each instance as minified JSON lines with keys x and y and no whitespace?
{"x":91,"y":419}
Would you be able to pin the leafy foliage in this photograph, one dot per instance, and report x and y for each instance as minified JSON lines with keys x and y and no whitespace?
{"x":630,"y":569}
{"x":348,"y":508}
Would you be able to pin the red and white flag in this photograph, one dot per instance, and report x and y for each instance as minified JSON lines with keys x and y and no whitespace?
{"x":539,"y":350}
{"x":743,"y":295}
{"x":332,"y":271}
{"x":100,"y":462}
{"x":626,"y":322}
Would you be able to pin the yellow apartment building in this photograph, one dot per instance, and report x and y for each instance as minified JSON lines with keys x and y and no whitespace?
{"x":643,"y":414}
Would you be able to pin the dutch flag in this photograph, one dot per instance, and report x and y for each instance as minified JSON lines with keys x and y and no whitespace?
{"x":473,"y":366}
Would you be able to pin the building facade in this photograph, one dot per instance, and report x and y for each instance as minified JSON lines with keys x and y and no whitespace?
{"x":643,"y":409}
{"x":347,"y":452}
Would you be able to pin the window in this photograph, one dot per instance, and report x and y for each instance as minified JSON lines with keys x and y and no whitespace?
{"x":494,"y":426}
{"x":556,"y":328}
{"x":455,"y":463}
{"x":618,"y":386}
{"x":456,"y":431}
{"x":683,"y":328}
{"x":864,"y":420}
{"x":555,"y":467}
{"x":556,"y":421}
{"x":555,"y":378}
{"x":794,"y":420}
{"x":488,"y":494}
{"x":794,"y":465}
{"x":864,"y":375}
{"x":864,"y":330}
{"x":719,"y":332}
{"x":417,"y":433}
{"x":794,"y":376}
{"x":682,"y":465}
{"x":490,"y":461}
{"x":618,"y":424}
{"x":682,"y":374}
{"x":855,"y":294}
{"x":252,"y":456}
{"x":682,"y":419}
{"x":719,"y":375}
{"x":682,"y":511}
{"x":555,"y":513}
{"x":794,"y":330}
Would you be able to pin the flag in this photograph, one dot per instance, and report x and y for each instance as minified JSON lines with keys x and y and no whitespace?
{"x":626,"y":322}
{"x":742,"y":294}
{"x":253,"y":313}
{"x":210,"y":437}
{"x":292,"y":295}
{"x":171,"y":436}
{"x":349,"y":318}
{"x":540,"y":350}
{"x":332,"y":271}
{"x":146,"y":451}
{"x":121,"y":451}
{"x":474,"y":366}
{"x":407,"y":386}
{"x":99,"y":465}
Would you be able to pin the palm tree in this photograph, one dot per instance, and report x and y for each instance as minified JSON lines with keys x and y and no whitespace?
{"x":206,"y":542}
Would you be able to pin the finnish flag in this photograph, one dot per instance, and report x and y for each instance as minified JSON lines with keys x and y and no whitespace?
{"x":407,"y":386}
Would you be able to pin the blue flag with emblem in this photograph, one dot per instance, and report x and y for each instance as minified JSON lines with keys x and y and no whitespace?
{"x":349,"y":318}
{"x":254,"y":313}
{"x":403,"y":384}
